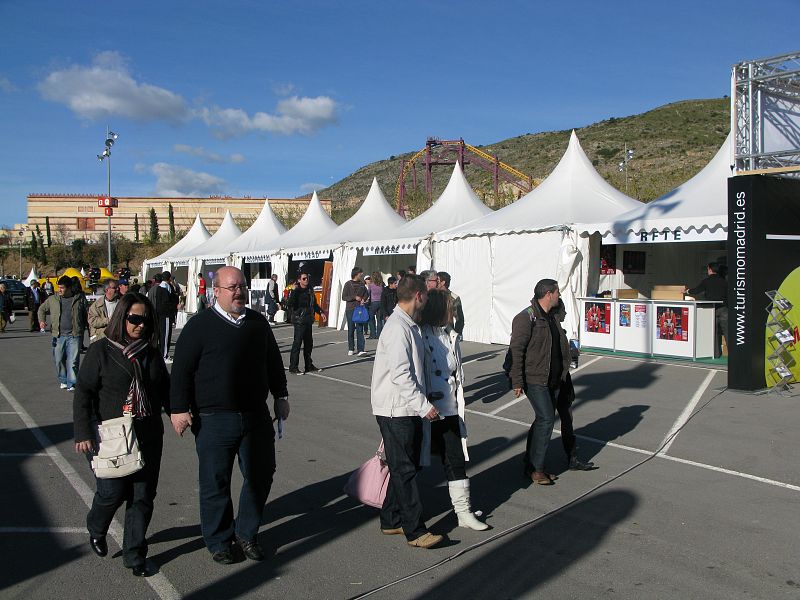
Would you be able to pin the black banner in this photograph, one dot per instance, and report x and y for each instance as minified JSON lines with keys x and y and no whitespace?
{"x":763,"y":255}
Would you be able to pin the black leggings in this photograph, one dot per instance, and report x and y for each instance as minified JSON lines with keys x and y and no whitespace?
{"x":446,"y":442}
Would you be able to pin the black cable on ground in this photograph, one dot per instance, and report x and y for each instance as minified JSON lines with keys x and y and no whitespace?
{"x":550,"y":513}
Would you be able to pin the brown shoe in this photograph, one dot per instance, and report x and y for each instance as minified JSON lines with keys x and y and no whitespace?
{"x":541,"y":478}
{"x":426,"y":540}
{"x":394,"y":531}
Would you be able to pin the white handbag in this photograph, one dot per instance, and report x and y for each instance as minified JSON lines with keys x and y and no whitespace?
{"x":118,"y":454}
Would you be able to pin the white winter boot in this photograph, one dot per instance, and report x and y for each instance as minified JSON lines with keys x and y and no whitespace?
{"x":459,"y":496}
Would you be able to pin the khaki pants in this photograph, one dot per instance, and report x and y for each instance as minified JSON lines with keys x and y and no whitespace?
{"x":2,"y":323}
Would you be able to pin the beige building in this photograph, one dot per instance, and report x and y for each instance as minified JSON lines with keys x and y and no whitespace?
{"x":77,"y":216}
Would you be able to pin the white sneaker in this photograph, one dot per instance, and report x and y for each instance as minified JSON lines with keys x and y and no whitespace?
{"x":71,"y":388}
{"x":349,"y":353}
{"x":63,"y":386}
{"x":168,"y":361}
{"x":362,"y":353}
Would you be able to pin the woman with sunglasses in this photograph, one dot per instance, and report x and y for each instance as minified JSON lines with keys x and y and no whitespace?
{"x":124,"y":372}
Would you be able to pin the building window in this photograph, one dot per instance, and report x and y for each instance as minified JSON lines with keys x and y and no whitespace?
{"x":85,"y":224}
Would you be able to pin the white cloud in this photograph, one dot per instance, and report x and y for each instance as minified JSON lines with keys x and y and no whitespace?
{"x":175,"y":181}
{"x":6,"y":85}
{"x":293,"y":115}
{"x":282,"y":89}
{"x":201,"y":152}
{"x":312,"y":187}
{"x":107,"y":89}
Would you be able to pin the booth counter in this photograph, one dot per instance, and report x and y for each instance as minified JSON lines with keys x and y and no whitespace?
{"x":679,"y":328}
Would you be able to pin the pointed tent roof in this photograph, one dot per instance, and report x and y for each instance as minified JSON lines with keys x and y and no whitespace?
{"x":216,"y":246}
{"x":374,"y":216}
{"x":195,"y":236}
{"x":31,"y":276}
{"x":457,"y":205}
{"x":700,"y":203}
{"x":262,"y":233}
{"x":573,"y":193}
{"x":314,"y":222}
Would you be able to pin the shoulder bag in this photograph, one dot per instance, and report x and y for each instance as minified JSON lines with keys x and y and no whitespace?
{"x":369,"y":482}
{"x":360,"y":314}
{"x":118,"y":454}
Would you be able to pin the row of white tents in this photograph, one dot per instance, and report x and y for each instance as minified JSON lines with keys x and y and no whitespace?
{"x":494,"y":257}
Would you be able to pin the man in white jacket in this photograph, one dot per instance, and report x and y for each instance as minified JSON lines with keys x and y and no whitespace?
{"x":399,"y":403}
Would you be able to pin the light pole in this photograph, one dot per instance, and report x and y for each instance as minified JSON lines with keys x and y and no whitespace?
{"x":21,"y":239}
{"x":623,"y":166}
{"x":111,"y":137}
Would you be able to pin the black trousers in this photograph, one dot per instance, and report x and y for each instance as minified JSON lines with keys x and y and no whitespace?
{"x":402,"y":443}
{"x":721,"y":322}
{"x":137,"y":491}
{"x":446,"y":442}
{"x":302,"y":336}
{"x":564,"y":408}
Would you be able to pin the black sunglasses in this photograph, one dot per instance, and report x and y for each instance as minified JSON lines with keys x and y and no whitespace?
{"x":135,"y":319}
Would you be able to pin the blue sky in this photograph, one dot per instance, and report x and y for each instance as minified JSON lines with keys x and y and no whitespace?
{"x":272,"y":99}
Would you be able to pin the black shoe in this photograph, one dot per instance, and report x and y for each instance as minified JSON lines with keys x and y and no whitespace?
{"x":576,"y":464}
{"x":251,"y":550}
{"x":141,"y":571}
{"x":313,"y":369}
{"x":98,"y":545}
{"x":224,"y":557}
{"x":294,"y":371}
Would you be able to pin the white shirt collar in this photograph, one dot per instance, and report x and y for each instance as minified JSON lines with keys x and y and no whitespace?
{"x":236,"y":321}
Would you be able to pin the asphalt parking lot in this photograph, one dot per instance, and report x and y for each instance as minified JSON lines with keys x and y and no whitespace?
{"x":707,"y":512}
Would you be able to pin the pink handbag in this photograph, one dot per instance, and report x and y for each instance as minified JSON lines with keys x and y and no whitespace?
{"x":369,"y":482}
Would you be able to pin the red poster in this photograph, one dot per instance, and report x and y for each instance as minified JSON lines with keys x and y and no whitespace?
{"x":672,"y":323}
{"x":597,"y":318}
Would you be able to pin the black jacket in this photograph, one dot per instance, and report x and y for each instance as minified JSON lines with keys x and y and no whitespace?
{"x":388,"y":300}
{"x":103,"y":383}
{"x":302,"y":304}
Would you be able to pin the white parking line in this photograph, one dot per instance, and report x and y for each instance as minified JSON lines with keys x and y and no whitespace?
{"x":687,"y":412}
{"x":160,"y":584}
{"x":80,"y":530}
{"x":328,"y":330}
{"x":773,"y":482}
{"x":17,"y":454}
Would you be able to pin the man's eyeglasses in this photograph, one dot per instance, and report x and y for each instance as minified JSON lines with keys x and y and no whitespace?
{"x":135,"y":319}
{"x":233,"y":288}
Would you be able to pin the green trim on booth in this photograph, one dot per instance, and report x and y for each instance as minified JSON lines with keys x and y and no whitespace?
{"x":722,"y":361}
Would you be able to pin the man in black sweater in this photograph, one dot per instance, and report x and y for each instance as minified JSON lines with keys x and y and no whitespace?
{"x":303,"y":305}
{"x":226,"y":364}
{"x":715,"y":289}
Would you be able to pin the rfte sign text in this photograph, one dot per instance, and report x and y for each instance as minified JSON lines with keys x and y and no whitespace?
{"x":660,"y":236}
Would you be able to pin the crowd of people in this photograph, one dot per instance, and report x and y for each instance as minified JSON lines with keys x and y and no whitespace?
{"x":417,"y":393}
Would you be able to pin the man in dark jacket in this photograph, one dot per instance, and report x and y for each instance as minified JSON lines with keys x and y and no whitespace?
{"x":389,"y":298}
{"x":715,"y":289}
{"x":34,"y":298}
{"x":303,"y":305}
{"x":539,"y":364}
{"x":159,"y":298}
{"x":227,"y":363}
{"x":354,"y":293}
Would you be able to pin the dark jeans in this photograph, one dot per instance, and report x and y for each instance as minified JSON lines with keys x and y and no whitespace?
{"x":375,"y":319}
{"x":564,"y":408}
{"x":219,"y":439}
{"x":543,"y":402}
{"x":168,"y":323}
{"x":402,"y":442}
{"x":446,"y":442}
{"x":302,"y":335}
{"x":721,"y":321}
{"x":354,"y":329}
{"x":137,"y":490}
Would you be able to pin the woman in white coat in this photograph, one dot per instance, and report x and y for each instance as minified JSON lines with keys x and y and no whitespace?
{"x":444,"y":377}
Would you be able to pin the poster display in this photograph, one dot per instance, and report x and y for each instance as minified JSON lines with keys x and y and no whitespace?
{"x":597,"y":317}
{"x":672,"y":323}
{"x":624,"y":315}
{"x":640,"y":316}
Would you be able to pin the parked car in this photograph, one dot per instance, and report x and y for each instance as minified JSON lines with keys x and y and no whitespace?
{"x":17,"y":290}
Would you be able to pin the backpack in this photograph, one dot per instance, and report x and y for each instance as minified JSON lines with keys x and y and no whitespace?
{"x":508,"y":362}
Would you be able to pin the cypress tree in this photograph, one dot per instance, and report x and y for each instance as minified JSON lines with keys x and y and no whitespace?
{"x":171,"y":216}
{"x":47,"y":229}
{"x":136,"y":227}
{"x":153,"y":226}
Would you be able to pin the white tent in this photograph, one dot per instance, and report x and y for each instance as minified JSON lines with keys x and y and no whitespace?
{"x":261,"y":234}
{"x":695,"y":211}
{"x":197,"y":235}
{"x":211,"y":252}
{"x":458,"y":204}
{"x":31,"y":276}
{"x":496,"y":260}
{"x":374,"y":218}
{"x":314,"y":223}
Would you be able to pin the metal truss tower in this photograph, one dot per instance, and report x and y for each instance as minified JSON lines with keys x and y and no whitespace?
{"x":765,"y":115}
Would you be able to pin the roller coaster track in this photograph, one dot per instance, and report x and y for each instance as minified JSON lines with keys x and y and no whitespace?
{"x":500,"y":170}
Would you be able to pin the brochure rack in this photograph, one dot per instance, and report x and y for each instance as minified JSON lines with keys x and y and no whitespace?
{"x":781,"y":336}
